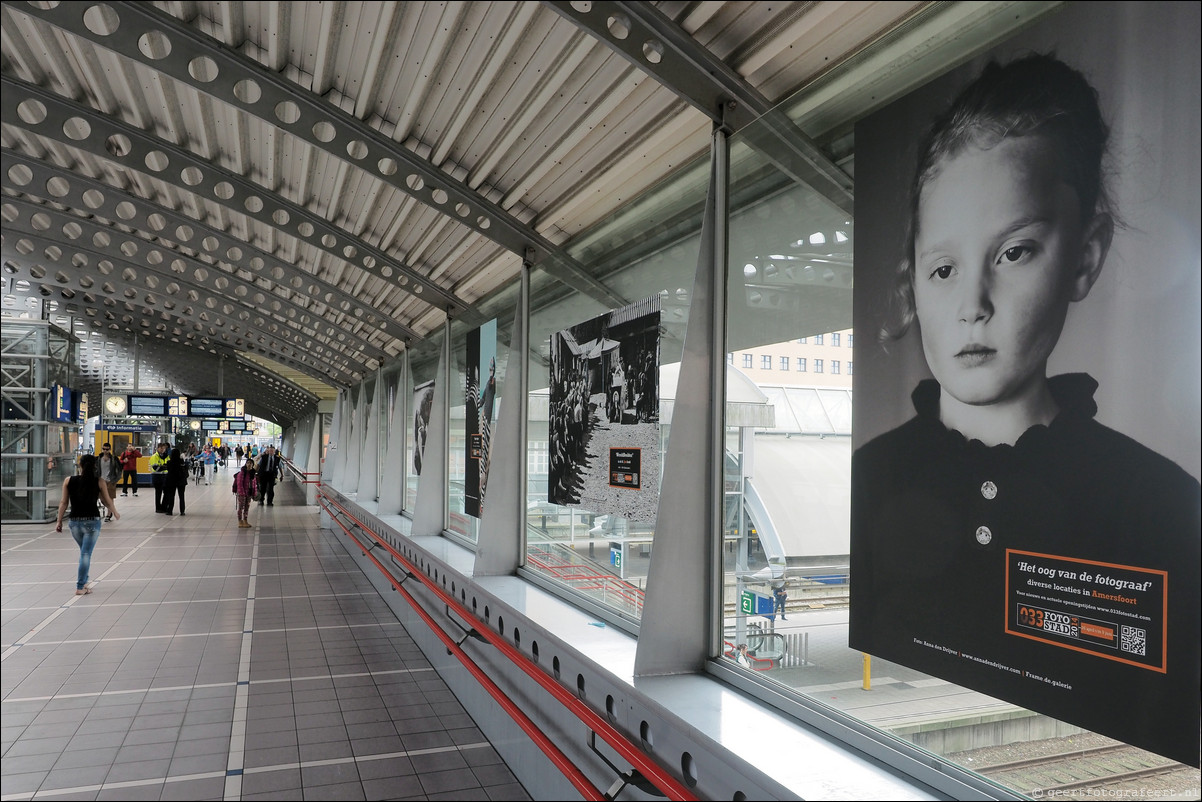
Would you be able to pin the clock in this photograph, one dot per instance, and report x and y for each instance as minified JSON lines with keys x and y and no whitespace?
{"x":115,"y":404}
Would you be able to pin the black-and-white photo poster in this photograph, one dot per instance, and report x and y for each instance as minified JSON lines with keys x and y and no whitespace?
{"x":604,"y":413}
{"x":1025,"y":495}
{"x":423,"y":401}
{"x":480,"y":402}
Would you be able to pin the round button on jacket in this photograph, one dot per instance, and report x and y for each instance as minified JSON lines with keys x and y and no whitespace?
{"x":984,"y":535}
{"x":989,"y":490}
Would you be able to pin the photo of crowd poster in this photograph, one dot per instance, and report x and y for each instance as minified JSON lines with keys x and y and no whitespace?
{"x":1025,"y":510}
{"x":423,"y":401}
{"x":604,"y":413}
{"x":480,"y":402}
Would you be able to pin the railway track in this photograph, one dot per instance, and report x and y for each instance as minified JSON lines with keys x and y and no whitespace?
{"x":1120,"y":769}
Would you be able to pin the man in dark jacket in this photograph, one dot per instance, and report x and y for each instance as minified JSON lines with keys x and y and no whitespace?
{"x":268,"y":470}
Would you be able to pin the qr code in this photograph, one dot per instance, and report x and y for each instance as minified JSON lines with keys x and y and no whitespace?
{"x":1134,"y":640}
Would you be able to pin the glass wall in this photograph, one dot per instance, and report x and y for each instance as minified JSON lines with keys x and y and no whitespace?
{"x":601,"y":376}
{"x":480,"y":361}
{"x":788,"y":506}
{"x":422,"y":379}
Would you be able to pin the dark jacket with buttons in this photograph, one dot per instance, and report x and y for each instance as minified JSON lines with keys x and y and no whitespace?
{"x":948,"y":539}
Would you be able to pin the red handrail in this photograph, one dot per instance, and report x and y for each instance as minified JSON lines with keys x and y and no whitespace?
{"x":665,"y":782}
{"x":576,"y":777}
{"x":730,"y":652}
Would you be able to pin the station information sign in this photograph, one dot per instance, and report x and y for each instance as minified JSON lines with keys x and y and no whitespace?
{"x":64,"y":402}
{"x":207,"y":407}
{"x":148,"y":405}
{"x":211,"y":425}
{"x":177,"y":406}
{"x":234,"y":408}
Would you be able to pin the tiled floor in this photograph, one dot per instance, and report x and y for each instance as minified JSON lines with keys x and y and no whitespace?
{"x":212,"y":662}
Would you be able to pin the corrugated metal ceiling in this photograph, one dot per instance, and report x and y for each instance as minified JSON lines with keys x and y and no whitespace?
{"x":317,"y":183}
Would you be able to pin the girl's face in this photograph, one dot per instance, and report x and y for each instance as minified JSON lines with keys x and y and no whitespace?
{"x":1000,"y":252}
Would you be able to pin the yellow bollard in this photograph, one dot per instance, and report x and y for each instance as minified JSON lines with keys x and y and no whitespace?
{"x":867,"y":672}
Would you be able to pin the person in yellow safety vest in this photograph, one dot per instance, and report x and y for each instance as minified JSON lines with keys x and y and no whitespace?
{"x":158,"y":473}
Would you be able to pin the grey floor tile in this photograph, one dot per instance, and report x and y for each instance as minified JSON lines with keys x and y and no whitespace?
{"x":201,"y":789}
{"x":334,"y":774}
{"x":157,"y":735}
{"x":138,"y":770}
{"x":280,"y":755}
{"x":347,"y":790}
{"x":132,"y":792}
{"x":76,"y":758}
{"x":23,"y":783}
{"x":494,"y":774}
{"x":435,"y":782}
{"x":271,"y":781}
{"x":317,"y":735}
{"x":197,"y":764}
{"x":37,"y":746}
{"x":462,"y":793}
{"x":510,"y":792}
{"x":202,"y":746}
{"x":329,"y":750}
{"x":385,"y":767}
{"x":377,"y":746}
{"x":72,"y":778}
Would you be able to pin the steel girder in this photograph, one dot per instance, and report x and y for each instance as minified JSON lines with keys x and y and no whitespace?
{"x":45,"y":114}
{"x":659,"y":47}
{"x":160,"y":291}
{"x":282,"y":103}
{"x":265,"y":271}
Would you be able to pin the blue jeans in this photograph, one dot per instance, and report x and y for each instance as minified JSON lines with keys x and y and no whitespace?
{"x":85,"y":531}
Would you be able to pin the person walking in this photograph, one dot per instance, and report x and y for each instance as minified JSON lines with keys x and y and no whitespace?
{"x":267,"y":472}
{"x":85,"y":492}
{"x":210,"y":463}
{"x":158,"y":470}
{"x":129,"y":469}
{"x":175,"y":483}
{"x":109,"y":469}
{"x":245,"y":487}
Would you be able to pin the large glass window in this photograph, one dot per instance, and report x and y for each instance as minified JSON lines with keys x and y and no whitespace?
{"x":480,"y":362}
{"x":423,"y":378}
{"x":602,"y":380}
{"x":786,"y":535}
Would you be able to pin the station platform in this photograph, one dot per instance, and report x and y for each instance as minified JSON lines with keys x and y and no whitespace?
{"x":212,"y":662}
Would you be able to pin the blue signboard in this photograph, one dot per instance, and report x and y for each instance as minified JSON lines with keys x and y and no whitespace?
{"x":130,"y":427}
{"x":64,"y":404}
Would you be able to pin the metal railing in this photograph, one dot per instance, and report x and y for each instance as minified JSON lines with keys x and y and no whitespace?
{"x":666,"y":784}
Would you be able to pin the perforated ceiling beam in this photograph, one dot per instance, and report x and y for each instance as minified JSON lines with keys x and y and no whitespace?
{"x":80,"y":192}
{"x":653,"y":43}
{"x":290,"y":107}
{"x":97,"y":242}
{"x":148,"y":316}
{"x":45,"y":114}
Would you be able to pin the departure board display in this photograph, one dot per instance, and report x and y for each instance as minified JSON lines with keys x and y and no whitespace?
{"x":148,"y":405}
{"x":206,"y":407}
{"x":211,"y":425}
{"x":64,"y":403}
